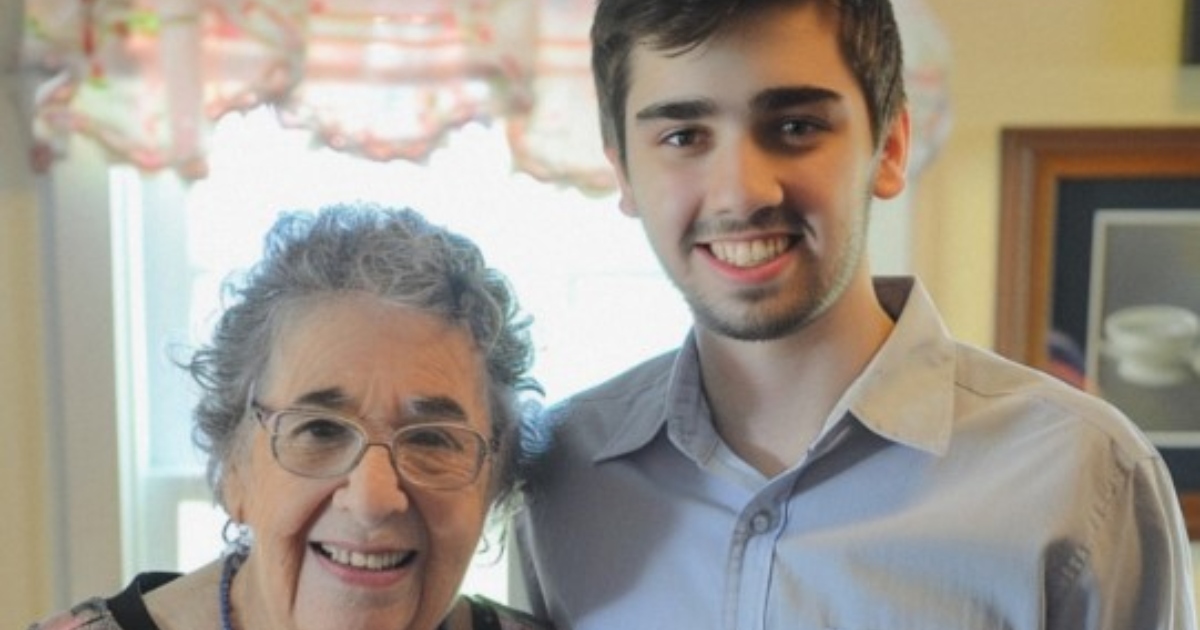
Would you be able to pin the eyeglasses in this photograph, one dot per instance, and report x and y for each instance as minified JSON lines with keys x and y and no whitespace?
{"x":323,"y":445}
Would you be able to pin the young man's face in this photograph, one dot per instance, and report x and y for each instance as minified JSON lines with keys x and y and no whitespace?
{"x":751,"y":164}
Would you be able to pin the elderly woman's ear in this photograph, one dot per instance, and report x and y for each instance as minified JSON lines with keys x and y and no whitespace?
{"x":233,"y":491}
{"x":231,"y":485}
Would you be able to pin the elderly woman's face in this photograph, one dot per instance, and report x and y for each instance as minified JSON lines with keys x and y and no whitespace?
{"x":366,"y":549}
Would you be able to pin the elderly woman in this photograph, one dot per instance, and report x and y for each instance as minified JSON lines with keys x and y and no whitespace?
{"x":359,"y":409}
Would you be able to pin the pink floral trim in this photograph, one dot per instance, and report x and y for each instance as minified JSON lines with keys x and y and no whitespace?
{"x":90,"y":615}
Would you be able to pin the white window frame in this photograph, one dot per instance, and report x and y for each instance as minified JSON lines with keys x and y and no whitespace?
{"x":83,"y":455}
{"x":95,"y":531}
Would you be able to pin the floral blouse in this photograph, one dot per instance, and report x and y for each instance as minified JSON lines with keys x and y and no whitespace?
{"x":126,"y":611}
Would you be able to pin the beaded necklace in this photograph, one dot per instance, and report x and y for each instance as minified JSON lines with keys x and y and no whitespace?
{"x":233,"y":562}
{"x":229,"y":568}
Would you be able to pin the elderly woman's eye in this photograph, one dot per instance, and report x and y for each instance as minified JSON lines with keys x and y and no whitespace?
{"x":320,"y":430}
{"x":432,"y":438}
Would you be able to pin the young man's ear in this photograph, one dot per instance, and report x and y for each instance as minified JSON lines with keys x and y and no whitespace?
{"x":626,"y":203}
{"x":891,"y":173}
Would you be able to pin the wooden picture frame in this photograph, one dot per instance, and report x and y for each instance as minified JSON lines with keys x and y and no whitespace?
{"x":1191,"y":32}
{"x":1053,"y":180}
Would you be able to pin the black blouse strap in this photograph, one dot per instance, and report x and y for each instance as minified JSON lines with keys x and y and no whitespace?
{"x":483,"y":616}
{"x":129,"y":609}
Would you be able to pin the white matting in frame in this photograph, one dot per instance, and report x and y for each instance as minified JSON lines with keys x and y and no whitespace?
{"x":1143,"y":340}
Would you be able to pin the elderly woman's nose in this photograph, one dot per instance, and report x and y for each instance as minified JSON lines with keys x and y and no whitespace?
{"x":374,"y":489}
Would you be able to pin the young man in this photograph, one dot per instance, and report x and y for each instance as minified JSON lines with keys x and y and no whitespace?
{"x":819,"y":453}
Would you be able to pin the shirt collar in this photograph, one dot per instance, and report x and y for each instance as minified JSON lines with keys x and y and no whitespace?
{"x":906,"y":393}
{"x":677,"y":401}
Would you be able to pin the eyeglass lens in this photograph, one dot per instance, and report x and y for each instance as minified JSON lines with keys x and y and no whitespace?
{"x":443,"y":456}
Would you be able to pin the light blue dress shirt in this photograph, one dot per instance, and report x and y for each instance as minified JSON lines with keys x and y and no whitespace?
{"x":950,"y":489}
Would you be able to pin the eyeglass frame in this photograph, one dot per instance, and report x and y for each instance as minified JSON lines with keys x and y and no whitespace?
{"x":268,"y":419}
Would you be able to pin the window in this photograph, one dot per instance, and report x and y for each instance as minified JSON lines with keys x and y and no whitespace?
{"x":579,"y":267}
{"x":158,"y":254}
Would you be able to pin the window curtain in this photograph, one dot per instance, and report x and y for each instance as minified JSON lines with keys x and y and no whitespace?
{"x":382,"y":79}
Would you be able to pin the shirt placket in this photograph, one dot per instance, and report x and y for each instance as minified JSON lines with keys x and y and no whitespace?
{"x":755,"y":535}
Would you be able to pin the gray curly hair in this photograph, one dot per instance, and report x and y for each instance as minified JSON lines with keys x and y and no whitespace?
{"x":394,"y":254}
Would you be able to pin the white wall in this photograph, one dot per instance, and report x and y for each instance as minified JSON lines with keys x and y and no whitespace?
{"x":24,"y":570}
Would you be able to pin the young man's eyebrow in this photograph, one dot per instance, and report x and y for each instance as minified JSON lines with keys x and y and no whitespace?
{"x":686,"y":109}
{"x":767,"y":100}
{"x":785,"y":97}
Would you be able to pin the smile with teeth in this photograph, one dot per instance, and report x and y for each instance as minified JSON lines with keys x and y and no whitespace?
{"x":369,"y":561}
{"x":749,"y":253}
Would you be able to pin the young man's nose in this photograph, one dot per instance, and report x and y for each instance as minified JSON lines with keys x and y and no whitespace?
{"x":743,"y":178}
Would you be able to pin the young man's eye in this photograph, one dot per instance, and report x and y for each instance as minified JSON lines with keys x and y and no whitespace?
{"x":797,"y":127}
{"x":681,"y":138}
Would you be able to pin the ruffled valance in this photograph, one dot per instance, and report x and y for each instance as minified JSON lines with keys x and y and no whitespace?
{"x":383,"y":79}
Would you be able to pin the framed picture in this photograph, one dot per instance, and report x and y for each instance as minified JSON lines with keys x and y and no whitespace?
{"x":1191,"y":32}
{"x":1143,"y":320}
{"x":1060,"y":188}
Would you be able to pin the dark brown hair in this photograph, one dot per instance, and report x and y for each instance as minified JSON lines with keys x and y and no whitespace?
{"x":870,"y":43}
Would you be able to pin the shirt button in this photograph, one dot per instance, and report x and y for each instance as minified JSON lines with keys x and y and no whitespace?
{"x":760,"y":523}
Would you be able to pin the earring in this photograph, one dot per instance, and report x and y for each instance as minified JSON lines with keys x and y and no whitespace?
{"x":238,"y":537}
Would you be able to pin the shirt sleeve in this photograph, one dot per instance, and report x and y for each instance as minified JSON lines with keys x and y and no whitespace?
{"x":1136,"y":569}
{"x":527,"y":593}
